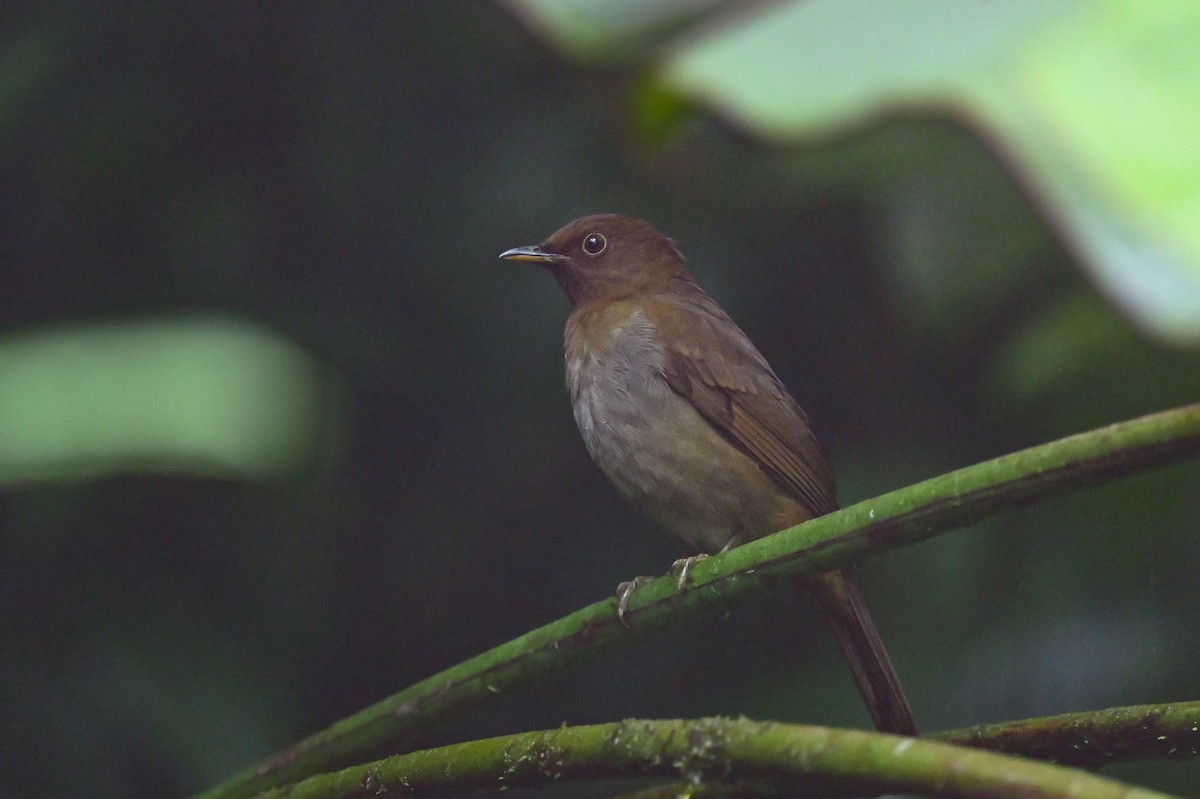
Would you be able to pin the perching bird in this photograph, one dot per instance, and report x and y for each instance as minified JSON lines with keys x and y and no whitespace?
{"x":686,"y":418}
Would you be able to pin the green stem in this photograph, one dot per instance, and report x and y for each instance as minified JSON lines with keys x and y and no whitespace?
{"x":1094,"y":738}
{"x":900,"y":517}
{"x":803,"y":758}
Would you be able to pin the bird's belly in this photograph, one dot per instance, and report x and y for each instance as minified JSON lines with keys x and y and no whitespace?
{"x":665,"y":459}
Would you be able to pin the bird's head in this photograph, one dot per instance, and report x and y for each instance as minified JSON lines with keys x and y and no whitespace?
{"x":607,"y":257}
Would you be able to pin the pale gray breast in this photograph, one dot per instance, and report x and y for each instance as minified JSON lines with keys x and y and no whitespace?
{"x":652,"y":444}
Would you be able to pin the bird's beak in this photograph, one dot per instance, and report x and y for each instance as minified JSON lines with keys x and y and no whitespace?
{"x":532,"y":253}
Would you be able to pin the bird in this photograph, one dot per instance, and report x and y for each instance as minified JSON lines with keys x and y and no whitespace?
{"x":689,"y":422}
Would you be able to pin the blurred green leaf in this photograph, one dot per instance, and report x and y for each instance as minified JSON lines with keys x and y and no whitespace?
{"x":1076,"y":361}
{"x":200,"y":395}
{"x":602,"y":29}
{"x":805,"y":69}
{"x":1097,"y":102}
{"x":1103,"y":111}
{"x":657,"y":113}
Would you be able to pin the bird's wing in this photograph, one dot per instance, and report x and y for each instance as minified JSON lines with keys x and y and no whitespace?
{"x":731,"y":385}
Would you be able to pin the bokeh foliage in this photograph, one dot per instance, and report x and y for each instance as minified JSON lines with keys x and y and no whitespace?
{"x":273,"y":231}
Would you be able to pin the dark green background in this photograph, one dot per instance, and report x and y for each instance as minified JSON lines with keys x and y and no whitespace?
{"x":346,"y":174}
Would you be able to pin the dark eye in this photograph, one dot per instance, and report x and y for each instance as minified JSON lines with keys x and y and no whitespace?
{"x":594,"y":244}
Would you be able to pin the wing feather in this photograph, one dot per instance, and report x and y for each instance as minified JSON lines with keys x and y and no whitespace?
{"x":732,"y":387}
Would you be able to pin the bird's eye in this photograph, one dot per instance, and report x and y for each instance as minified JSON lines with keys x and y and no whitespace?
{"x":594,"y":244}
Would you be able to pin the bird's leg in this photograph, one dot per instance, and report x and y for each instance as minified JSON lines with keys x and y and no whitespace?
{"x":624,"y":592}
{"x":736,"y":541}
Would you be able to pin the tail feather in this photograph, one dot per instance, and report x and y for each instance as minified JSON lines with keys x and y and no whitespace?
{"x":860,"y":642}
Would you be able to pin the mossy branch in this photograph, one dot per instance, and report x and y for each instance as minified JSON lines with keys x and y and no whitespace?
{"x":812,"y":761}
{"x":900,"y":517}
{"x":1094,"y":738}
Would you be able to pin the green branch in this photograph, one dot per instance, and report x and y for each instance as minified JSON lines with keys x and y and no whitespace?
{"x":901,"y":517}
{"x":802,"y":758}
{"x":1094,"y":738}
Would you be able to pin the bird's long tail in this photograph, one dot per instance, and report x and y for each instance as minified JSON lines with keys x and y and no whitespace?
{"x":860,"y":642}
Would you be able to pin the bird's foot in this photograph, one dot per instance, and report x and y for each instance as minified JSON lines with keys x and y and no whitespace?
{"x":684,"y":565}
{"x":624,"y":592}
{"x":626,"y":589}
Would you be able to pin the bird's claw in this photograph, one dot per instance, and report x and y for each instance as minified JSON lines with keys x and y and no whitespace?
{"x":626,"y":589}
{"x":624,"y":592}
{"x":685,"y":566}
